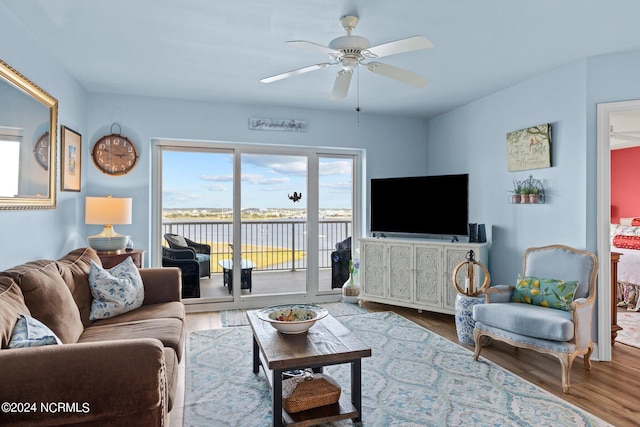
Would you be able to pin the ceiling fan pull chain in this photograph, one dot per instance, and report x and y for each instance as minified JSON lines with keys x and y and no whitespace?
{"x":358,"y":94}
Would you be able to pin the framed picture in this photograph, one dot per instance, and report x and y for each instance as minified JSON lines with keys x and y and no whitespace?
{"x":71,"y":160}
{"x":529,"y":148}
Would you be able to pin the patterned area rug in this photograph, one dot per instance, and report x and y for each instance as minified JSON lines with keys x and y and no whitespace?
{"x":336,"y":309}
{"x":414,"y":378}
{"x":630,"y":324}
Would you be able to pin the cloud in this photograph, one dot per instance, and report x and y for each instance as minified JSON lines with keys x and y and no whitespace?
{"x":337,"y":167}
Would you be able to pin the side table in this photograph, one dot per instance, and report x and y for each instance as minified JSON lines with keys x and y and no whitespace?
{"x":464,"y":318}
{"x":111,"y":260}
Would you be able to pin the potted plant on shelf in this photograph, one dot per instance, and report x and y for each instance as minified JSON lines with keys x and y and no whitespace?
{"x":534,"y":195}
{"x":526,"y":191}
{"x":517,"y":192}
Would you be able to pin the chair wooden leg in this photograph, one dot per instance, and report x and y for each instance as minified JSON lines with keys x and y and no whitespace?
{"x":566,"y":361}
{"x":477,"y":338}
{"x":587,"y":358}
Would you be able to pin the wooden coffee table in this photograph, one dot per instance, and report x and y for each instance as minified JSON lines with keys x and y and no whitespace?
{"x":328,"y":342}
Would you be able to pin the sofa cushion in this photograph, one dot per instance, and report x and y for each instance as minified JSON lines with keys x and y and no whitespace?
{"x":178,"y":240}
{"x":169,"y":331}
{"x":173,"y":310}
{"x":12,"y":304}
{"x":30,"y":332}
{"x":115,"y":291}
{"x":74,"y":269}
{"x":48,"y":298}
{"x":527,"y":320}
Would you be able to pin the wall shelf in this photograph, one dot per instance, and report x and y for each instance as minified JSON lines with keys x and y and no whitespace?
{"x":529,"y":198}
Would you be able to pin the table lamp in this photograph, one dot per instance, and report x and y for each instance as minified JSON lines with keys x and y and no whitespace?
{"x":108,"y":211}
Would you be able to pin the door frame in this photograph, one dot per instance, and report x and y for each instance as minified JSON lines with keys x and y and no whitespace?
{"x":604,"y":221}
{"x":311,"y":152}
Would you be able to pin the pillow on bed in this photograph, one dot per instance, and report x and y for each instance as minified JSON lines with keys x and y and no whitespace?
{"x":635,"y":221}
{"x":626,"y":242}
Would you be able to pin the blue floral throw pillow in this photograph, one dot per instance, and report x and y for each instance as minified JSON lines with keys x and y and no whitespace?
{"x":552,"y":293}
{"x":115,"y":291}
{"x":30,"y":332}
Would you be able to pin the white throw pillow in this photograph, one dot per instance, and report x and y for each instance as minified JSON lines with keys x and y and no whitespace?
{"x":115,"y":291}
{"x":30,"y":332}
{"x":179,"y":240}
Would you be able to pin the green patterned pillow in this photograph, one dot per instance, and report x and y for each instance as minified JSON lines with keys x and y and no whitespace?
{"x":552,"y":293}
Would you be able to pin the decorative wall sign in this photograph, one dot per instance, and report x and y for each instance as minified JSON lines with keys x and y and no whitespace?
{"x":529,"y":148}
{"x":71,"y":161}
{"x":278,"y":124}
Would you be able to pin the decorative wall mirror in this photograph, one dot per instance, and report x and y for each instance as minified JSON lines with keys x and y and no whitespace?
{"x":28,"y":134}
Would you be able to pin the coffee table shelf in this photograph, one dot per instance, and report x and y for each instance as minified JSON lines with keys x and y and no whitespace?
{"x":328,"y":342}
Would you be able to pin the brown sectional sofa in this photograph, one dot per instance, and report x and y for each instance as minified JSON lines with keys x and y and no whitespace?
{"x":117,"y":371}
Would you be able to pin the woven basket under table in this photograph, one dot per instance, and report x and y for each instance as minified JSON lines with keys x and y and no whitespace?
{"x":309,"y":391}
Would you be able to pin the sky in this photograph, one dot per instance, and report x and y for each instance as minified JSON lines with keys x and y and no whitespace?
{"x":205,"y":180}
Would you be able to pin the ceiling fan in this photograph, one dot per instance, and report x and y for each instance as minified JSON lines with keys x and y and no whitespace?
{"x":350,"y":51}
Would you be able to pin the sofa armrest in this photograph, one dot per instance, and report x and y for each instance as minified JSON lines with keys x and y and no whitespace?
{"x":582,"y":317}
{"x":498,"y":293}
{"x":161,"y":284}
{"x":93,"y":383}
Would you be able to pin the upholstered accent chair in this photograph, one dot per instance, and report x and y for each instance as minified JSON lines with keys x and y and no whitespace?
{"x":550,"y":310}
{"x":201,"y":251}
{"x":185,"y":261}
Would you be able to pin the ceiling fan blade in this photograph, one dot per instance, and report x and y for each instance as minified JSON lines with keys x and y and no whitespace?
{"x":295,"y":72}
{"x":341,"y":86}
{"x":398,"y":46}
{"x":397,"y":74}
{"x":315,"y":47}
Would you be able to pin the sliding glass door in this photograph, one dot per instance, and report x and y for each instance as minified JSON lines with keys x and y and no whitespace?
{"x":271,"y":217}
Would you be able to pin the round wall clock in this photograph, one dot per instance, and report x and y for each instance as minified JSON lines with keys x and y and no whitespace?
{"x":41,"y":150}
{"x":114,"y":154}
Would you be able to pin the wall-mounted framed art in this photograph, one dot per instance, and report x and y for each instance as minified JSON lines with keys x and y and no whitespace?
{"x":70,"y":160}
{"x":529,"y":148}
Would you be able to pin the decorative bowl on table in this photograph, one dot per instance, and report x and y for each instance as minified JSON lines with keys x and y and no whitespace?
{"x":292,"y":318}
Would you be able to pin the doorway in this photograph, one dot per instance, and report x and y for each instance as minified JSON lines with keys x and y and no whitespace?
{"x":260,"y":209}
{"x":606,"y":116}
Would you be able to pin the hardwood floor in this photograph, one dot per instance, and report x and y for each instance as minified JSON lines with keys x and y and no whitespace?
{"x":610,"y":390}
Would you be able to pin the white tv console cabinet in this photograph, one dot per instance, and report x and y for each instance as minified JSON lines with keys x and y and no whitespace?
{"x":416,"y":273}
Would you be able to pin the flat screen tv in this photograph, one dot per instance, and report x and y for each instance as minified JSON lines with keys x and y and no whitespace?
{"x":435,"y":205}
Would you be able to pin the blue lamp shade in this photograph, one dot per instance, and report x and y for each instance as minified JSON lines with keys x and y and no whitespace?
{"x":108,"y":211}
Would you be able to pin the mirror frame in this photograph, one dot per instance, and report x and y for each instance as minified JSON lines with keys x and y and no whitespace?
{"x":25,"y":85}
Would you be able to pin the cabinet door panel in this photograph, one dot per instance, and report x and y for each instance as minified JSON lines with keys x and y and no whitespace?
{"x":453,"y":256}
{"x":428,"y":266}
{"x":401,"y":272}
{"x":373,"y":269}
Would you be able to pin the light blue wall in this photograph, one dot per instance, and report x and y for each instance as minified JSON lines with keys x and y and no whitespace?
{"x":394,"y":146}
{"x":473,"y":139}
{"x":35,"y":234}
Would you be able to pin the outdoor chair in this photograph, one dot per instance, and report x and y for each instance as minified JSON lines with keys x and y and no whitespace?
{"x":201,"y":251}
{"x":340,"y":260}
{"x":550,"y":310}
{"x":184,"y":259}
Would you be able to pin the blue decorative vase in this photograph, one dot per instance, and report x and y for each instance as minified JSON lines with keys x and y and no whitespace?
{"x":464,"y":318}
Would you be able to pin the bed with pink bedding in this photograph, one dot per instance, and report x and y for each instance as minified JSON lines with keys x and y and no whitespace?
{"x":625,"y":239}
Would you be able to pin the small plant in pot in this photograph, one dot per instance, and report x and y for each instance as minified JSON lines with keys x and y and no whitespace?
{"x":526,"y":192}
{"x":534,"y":195}
{"x":517,"y":192}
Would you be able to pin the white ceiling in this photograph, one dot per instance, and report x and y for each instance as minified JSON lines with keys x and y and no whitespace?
{"x":213,"y":50}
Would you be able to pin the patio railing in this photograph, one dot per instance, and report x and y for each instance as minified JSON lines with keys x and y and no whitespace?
{"x":271,"y":245}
